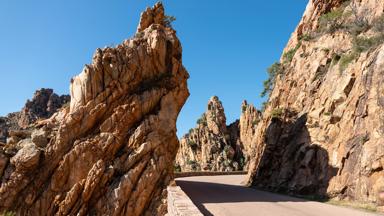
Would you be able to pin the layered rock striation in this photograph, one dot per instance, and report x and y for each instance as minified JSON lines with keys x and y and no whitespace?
{"x":214,"y":146}
{"x":322,"y":132}
{"x":110,"y":152}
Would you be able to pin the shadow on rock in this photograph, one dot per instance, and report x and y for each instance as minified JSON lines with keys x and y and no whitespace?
{"x":291,"y":163}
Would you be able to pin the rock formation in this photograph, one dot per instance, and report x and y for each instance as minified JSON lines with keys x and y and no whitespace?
{"x":42,"y":106}
{"x":111,"y":152}
{"x":322,"y":132}
{"x":214,"y":146}
{"x":249,"y":119}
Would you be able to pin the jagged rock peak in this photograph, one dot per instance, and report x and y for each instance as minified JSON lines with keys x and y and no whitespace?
{"x":43,"y":104}
{"x":214,"y":146}
{"x":248,"y":108}
{"x":250,"y":113}
{"x":151,"y":16}
{"x":249,"y":120}
{"x":112,"y":151}
{"x":216,"y":120}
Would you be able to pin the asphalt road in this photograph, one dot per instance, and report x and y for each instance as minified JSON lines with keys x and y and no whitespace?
{"x":225,"y":196}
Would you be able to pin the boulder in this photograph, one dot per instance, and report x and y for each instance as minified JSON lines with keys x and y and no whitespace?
{"x":27,"y":157}
{"x":39,"y":137}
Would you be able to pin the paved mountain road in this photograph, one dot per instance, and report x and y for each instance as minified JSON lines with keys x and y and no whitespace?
{"x":224,"y":196}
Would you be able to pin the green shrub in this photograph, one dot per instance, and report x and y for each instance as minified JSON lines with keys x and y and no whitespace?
{"x":273,"y":71}
{"x":345,"y":60}
{"x":277,"y":113}
{"x":268,"y":87}
{"x":360,"y":22}
{"x":305,"y":37}
{"x":242,"y":162}
{"x":359,"y":45}
{"x":191,"y":131}
{"x":192,"y":144}
{"x":243,"y":108}
{"x":335,"y":20}
{"x":168,"y":20}
{"x":226,"y":149}
{"x":227,"y":163}
{"x":176,"y":168}
{"x":191,"y":162}
{"x":288,"y":56}
{"x":139,"y":34}
{"x":362,"y":44}
{"x":8,"y":213}
{"x":378,"y":24}
{"x":202,"y":120}
{"x":331,"y":21}
{"x":255,"y":122}
{"x":194,"y":165}
{"x":355,"y":28}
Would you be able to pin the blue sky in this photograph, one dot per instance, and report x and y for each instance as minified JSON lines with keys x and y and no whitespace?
{"x":227,"y":45}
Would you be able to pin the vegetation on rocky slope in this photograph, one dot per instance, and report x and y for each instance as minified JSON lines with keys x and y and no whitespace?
{"x":323,"y":125}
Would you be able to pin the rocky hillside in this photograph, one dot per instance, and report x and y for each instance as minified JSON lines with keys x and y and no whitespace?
{"x":42,"y":106}
{"x":214,"y":146}
{"x":110,"y":152}
{"x":323,"y":129}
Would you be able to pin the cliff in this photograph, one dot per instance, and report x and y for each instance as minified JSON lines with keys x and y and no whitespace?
{"x":214,"y":146}
{"x":322,"y":131}
{"x":111,"y":151}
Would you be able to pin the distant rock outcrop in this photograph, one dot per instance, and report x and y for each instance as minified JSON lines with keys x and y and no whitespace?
{"x":110,"y":152}
{"x":42,"y":106}
{"x":322,"y":132}
{"x":214,"y":146}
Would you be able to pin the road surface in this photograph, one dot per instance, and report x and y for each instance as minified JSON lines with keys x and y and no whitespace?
{"x":224,"y":196}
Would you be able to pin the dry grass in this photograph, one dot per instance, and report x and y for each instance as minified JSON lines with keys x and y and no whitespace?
{"x":7,"y":214}
{"x":356,"y":205}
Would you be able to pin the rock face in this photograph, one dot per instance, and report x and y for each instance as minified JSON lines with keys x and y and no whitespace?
{"x":323,"y":130}
{"x":42,"y":106}
{"x":249,"y":119}
{"x":214,"y":146}
{"x":112,"y":151}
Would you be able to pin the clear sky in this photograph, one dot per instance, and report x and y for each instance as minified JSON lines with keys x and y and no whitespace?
{"x":227,"y":45}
